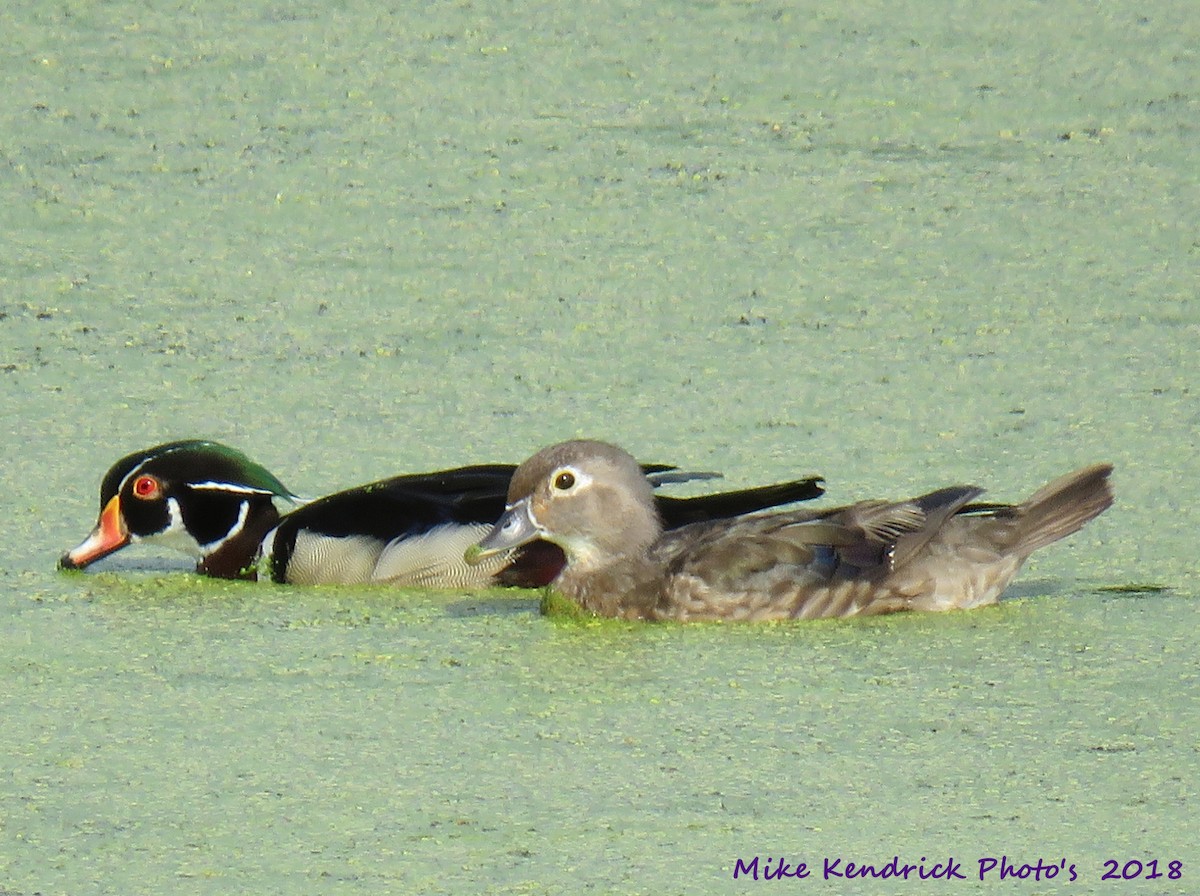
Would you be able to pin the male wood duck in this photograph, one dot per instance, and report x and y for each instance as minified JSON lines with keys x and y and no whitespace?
{"x":935,"y":552}
{"x":213,"y":502}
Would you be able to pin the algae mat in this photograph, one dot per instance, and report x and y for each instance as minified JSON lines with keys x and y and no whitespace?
{"x":897,"y":245}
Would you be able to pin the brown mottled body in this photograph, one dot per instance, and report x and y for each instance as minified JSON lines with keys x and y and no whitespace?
{"x":931,"y":553}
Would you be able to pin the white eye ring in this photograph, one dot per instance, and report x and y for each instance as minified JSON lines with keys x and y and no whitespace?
{"x":568,"y":479}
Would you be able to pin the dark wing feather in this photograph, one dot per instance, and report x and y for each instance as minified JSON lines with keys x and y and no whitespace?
{"x":676,"y":512}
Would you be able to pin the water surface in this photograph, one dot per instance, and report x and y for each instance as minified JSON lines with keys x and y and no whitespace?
{"x":898,"y":245}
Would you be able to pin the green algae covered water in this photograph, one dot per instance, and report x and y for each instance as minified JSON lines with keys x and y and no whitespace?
{"x":901,"y":246}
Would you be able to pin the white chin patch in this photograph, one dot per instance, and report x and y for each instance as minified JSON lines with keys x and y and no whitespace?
{"x":581,"y":552}
{"x":175,"y":536}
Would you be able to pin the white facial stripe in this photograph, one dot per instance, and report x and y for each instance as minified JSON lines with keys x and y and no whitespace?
{"x":229,"y":487}
{"x":234,"y":531}
{"x":134,"y":472}
{"x":174,"y":535}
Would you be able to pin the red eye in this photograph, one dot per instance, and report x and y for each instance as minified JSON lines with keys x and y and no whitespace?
{"x":146,"y":487}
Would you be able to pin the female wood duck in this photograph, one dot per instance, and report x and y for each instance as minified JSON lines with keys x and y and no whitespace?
{"x":935,"y":552}
{"x":213,"y":502}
